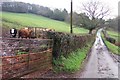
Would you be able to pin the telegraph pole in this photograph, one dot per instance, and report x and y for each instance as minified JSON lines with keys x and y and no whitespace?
{"x":71,"y":30}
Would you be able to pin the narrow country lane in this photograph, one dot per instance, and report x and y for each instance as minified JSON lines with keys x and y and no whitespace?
{"x":100,"y":63}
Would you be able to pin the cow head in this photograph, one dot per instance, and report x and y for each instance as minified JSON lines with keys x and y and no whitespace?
{"x":13,"y":32}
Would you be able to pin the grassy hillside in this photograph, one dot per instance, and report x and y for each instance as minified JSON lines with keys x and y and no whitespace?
{"x":19,"y":20}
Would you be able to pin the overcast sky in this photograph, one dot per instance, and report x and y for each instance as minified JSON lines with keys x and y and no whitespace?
{"x":113,"y":4}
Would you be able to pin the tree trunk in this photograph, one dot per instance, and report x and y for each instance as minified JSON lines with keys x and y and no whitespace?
{"x":90,"y":31}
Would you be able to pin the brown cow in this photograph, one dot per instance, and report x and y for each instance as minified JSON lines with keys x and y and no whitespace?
{"x":24,"y":33}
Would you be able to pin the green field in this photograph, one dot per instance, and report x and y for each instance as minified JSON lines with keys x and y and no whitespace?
{"x":19,"y":20}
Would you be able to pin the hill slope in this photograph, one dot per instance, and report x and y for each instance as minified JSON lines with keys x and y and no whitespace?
{"x":19,"y":20}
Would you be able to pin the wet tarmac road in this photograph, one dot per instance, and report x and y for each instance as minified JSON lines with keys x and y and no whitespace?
{"x":100,"y":63}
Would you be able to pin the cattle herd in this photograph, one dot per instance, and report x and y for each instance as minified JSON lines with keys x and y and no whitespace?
{"x":26,"y":32}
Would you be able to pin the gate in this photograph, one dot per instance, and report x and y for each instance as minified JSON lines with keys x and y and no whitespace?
{"x":22,"y":56}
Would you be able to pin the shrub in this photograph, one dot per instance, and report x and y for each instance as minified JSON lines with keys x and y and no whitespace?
{"x":111,"y":40}
{"x":66,"y":43}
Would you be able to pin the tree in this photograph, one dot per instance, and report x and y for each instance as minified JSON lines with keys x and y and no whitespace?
{"x":64,"y":14}
{"x":113,"y":23}
{"x":76,"y":19}
{"x":80,"y":20}
{"x":21,"y":7}
{"x":18,"y":7}
{"x":96,"y":11}
{"x":59,"y":15}
{"x":45,"y":11}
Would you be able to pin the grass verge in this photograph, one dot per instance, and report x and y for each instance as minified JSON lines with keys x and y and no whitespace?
{"x":113,"y":48}
{"x":73,"y":62}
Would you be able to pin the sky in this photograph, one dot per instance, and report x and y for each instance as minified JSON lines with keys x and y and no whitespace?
{"x":77,"y":5}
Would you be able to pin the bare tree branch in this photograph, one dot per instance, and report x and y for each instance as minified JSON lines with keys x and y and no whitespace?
{"x":95,"y":10}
